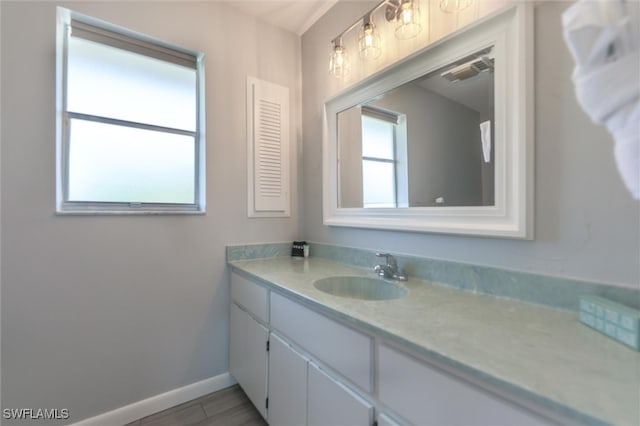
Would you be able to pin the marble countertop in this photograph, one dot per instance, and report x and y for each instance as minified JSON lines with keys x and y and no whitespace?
{"x":541,"y":354}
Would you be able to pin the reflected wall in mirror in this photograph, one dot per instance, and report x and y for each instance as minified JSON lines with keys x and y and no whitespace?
{"x":441,"y":141}
{"x":425,"y":143}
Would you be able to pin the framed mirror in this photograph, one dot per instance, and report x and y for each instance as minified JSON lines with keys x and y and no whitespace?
{"x":441,"y":141}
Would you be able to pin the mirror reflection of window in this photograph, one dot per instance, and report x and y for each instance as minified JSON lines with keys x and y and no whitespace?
{"x":384,"y":182}
{"x":378,"y":163}
{"x":426,"y":143}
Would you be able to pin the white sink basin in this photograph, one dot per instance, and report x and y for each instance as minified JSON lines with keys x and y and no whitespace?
{"x":363,"y":288}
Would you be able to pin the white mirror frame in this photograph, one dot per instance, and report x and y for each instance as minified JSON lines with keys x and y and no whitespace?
{"x":511,"y":32}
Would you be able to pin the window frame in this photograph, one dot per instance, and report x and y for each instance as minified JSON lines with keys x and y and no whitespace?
{"x":392,"y":121}
{"x":65,"y":18}
{"x":398,"y":121}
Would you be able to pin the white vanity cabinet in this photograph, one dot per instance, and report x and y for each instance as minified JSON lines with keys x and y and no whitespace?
{"x":302,"y":367}
{"x":248,"y":361}
{"x":284,"y":383}
{"x":344,"y":349}
{"x":301,"y":393}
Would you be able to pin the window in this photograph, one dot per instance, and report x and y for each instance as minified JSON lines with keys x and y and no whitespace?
{"x":383,"y":159}
{"x":130,"y":124}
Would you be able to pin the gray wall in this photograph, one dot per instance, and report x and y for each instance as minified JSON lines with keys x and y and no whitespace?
{"x":99,"y":312}
{"x":443,"y":147}
{"x":586,"y":223}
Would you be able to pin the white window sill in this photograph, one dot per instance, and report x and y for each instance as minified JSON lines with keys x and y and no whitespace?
{"x":128,"y":213}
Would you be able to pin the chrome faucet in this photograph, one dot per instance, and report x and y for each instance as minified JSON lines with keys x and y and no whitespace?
{"x":390,"y":270}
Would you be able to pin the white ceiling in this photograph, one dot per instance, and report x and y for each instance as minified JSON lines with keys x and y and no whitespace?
{"x":295,"y":16}
{"x":475,"y":93}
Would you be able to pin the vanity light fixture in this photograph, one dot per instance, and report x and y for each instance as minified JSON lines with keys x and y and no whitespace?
{"x":454,"y":6}
{"x":405,"y":14}
{"x":339,"y":62}
{"x":369,"y":39}
{"x":408,"y":19}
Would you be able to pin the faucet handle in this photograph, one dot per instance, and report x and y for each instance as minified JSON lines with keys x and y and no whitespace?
{"x":391,"y":269}
{"x":391,"y":261}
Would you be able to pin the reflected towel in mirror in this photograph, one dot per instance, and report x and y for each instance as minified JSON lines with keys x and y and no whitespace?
{"x":485,"y":135}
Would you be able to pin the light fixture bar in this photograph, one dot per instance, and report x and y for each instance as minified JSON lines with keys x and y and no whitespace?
{"x":454,"y":6}
{"x":406,"y":14}
{"x":393,"y":4}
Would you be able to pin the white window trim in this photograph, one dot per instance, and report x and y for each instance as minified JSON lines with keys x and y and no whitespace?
{"x":391,"y":161}
{"x":63,"y":207}
{"x":400,"y":179}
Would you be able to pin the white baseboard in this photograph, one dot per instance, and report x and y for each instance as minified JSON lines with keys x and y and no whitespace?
{"x":137,"y":410}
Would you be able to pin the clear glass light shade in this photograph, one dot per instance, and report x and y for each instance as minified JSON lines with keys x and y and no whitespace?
{"x":369,"y":41}
{"x":408,"y":19}
{"x":453,"y":6}
{"x":339,"y":61}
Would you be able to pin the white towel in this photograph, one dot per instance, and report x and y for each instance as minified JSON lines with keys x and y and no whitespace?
{"x":604,"y":39}
{"x":485,"y":136}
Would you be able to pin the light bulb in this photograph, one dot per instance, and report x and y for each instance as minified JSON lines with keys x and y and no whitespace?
{"x":454,"y":6}
{"x":406,"y":13}
{"x":408,"y":19}
{"x":339,"y":59}
{"x":368,"y":37}
{"x":369,"y":40}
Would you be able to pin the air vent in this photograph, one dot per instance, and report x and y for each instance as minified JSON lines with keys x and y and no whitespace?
{"x":469,"y":69}
{"x":267,"y":149}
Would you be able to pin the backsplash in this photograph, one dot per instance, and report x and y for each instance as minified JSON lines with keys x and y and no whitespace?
{"x":258,"y":251}
{"x":557,"y":292}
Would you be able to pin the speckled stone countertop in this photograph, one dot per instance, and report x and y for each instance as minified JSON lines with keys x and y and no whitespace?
{"x":541,"y":354}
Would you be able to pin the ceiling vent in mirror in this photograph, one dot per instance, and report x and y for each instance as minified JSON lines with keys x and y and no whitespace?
{"x":469,"y":69}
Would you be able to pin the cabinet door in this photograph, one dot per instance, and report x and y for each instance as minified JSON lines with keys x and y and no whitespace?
{"x":287,"y":385}
{"x":330,"y":403}
{"x":248,"y":356}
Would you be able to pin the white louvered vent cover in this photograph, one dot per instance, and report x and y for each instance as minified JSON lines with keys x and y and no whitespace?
{"x":268,"y":148}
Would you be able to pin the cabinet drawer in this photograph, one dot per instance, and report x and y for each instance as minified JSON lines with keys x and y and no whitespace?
{"x":344,"y":349}
{"x":425,"y":395}
{"x":249,"y":295}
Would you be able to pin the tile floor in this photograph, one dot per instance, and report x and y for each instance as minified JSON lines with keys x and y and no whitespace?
{"x":228,"y":407}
